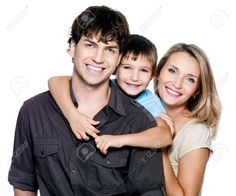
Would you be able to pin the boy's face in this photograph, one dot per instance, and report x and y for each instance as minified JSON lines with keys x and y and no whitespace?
{"x":133,"y":76}
{"x":94,"y":61}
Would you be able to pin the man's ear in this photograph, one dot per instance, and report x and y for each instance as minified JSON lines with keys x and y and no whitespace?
{"x":119,"y":60}
{"x":71,"y":50}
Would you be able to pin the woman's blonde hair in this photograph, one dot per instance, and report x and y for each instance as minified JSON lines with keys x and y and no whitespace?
{"x":205,"y":105}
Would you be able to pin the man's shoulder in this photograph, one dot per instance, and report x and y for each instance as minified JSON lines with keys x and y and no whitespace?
{"x":41,"y":100}
{"x":138,"y":115}
{"x":141,"y":110}
{"x":41,"y":97}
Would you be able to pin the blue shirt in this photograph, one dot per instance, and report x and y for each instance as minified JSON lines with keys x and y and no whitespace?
{"x":150,"y":101}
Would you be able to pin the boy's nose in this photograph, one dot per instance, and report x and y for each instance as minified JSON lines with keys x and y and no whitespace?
{"x":135,"y":76}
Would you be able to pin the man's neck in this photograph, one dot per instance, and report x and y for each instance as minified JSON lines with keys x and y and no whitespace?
{"x":91,"y":99}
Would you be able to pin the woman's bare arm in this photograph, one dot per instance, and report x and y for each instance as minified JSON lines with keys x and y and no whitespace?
{"x":190,"y":173}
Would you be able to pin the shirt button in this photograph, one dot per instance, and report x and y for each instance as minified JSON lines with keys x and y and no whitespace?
{"x":108,"y":162}
{"x":74,"y":171}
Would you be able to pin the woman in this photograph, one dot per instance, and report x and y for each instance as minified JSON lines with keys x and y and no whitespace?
{"x":185,"y":83}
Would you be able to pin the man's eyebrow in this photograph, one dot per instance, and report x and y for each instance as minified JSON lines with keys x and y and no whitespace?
{"x":89,"y":40}
{"x":113,"y":46}
{"x":108,"y":46}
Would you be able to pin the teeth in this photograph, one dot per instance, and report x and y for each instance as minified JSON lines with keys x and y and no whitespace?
{"x":133,"y":85}
{"x":94,"y":68}
{"x":173,"y":92}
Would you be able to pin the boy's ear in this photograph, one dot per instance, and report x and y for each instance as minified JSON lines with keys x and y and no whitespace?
{"x":71,"y":49}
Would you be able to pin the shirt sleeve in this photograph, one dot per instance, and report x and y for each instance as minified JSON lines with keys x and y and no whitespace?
{"x":22,"y":173}
{"x":151,"y":102}
{"x":145,"y":172}
{"x":196,"y":136}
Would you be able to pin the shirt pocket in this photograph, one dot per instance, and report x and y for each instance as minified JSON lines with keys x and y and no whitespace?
{"x":45,"y":150}
{"x":107,"y":173}
{"x":46,"y":160}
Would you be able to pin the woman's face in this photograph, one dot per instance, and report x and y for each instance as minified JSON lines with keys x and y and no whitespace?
{"x":178,"y":80}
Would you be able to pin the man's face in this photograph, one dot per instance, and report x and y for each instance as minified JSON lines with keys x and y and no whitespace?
{"x":94,"y":61}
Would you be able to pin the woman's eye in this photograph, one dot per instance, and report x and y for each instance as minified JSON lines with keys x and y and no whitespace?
{"x":191,"y":80}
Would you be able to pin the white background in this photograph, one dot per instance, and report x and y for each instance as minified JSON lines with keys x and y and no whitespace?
{"x":33,"y":48}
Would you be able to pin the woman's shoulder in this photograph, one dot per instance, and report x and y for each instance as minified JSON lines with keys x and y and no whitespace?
{"x":195,"y":130}
{"x":194,"y":135}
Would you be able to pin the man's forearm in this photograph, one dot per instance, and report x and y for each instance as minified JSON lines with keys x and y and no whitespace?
{"x":18,"y":192}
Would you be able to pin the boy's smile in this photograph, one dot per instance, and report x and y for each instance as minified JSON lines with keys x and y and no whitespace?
{"x":134,"y":74}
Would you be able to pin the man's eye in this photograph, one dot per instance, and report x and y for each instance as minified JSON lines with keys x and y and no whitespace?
{"x":88,"y":45}
{"x":171,"y":70}
{"x":112,"y":50}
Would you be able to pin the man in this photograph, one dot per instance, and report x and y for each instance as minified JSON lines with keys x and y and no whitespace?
{"x":57,"y":163}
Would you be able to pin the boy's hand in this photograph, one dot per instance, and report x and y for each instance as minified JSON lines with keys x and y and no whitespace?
{"x":104,"y":142}
{"x":169,"y":121}
{"x":82,"y":126}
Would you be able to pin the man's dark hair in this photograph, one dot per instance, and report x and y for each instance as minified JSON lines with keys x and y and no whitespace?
{"x":102,"y":21}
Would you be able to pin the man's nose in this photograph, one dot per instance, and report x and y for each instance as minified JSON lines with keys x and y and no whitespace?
{"x":98,"y":56}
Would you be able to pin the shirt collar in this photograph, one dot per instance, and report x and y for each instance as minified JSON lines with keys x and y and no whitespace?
{"x":117,"y":101}
{"x":72,"y":95}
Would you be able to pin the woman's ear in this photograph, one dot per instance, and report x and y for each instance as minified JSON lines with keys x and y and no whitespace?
{"x":195,"y":94}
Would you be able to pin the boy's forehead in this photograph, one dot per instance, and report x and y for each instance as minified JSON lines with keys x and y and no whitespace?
{"x":134,"y":57}
{"x":140,"y":59}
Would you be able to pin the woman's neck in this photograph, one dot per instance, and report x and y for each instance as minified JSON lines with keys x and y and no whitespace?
{"x":180,"y":116}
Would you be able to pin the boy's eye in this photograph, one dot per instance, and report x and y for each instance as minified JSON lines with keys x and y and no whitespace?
{"x":145,"y":70}
{"x":126,"y":67}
